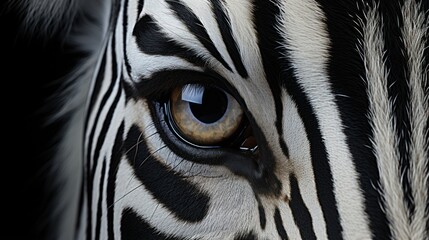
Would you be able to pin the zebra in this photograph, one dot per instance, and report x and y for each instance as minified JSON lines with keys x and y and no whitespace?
{"x":251,"y":119}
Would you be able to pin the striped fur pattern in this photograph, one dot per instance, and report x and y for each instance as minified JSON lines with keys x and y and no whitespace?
{"x":337,"y":95}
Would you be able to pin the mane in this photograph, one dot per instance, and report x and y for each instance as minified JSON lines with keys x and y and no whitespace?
{"x":81,"y":29}
{"x":44,"y":18}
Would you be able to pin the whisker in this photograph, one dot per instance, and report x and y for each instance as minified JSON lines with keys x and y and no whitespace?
{"x":139,"y":142}
{"x":153,"y":213}
{"x":151,"y":154}
{"x":126,"y":194}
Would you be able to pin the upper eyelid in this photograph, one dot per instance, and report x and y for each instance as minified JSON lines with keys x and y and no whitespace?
{"x":151,"y":88}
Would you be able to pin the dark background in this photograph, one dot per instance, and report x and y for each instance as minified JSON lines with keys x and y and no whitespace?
{"x":30,"y":68}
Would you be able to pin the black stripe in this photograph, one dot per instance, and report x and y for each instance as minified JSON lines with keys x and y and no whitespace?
{"x":139,"y":8}
{"x":105,"y":128}
{"x":134,"y":227}
{"x":91,"y":169}
{"x":231,"y":45}
{"x":346,"y":69}
{"x":96,"y":89}
{"x":246,"y":236}
{"x":106,"y":96}
{"x":398,"y":83}
{"x":300,"y":212}
{"x":86,"y":169}
{"x":151,"y":40}
{"x":261,"y":211}
{"x":265,"y":17}
{"x":152,"y":88}
{"x":194,"y":25}
{"x":101,"y":78}
{"x":100,"y":201}
{"x":111,"y":179}
{"x":319,"y":160}
{"x":124,"y":38}
{"x":129,"y":91}
{"x":101,"y":138}
{"x":114,"y":16}
{"x":279,"y":225}
{"x":177,"y":194}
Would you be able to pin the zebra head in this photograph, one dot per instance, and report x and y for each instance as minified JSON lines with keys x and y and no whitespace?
{"x":223,"y":119}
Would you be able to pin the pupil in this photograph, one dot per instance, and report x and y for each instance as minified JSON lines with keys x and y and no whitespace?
{"x":213,"y":107}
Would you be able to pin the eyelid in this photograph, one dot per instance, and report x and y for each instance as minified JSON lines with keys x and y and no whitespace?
{"x":162,"y":83}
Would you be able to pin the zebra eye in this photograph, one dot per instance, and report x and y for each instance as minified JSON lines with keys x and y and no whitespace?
{"x":204,"y":116}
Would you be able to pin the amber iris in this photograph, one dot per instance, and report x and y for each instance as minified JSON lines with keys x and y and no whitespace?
{"x":211,"y":121}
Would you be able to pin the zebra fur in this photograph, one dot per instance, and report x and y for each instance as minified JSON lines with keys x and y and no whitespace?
{"x":359,"y":174}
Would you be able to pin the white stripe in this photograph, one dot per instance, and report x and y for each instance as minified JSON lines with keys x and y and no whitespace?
{"x":131,"y":15}
{"x":299,"y":153}
{"x":414,"y":32}
{"x":175,"y":29}
{"x":292,"y":230}
{"x":203,"y":10}
{"x":105,"y":110}
{"x":145,"y":65}
{"x":307,"y":43}
{"x":255,"y":90}
{"x":103,"y":89}
{"x":385,"y":142}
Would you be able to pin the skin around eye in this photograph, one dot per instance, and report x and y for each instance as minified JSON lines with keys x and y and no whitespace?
{"x":210,"y":122}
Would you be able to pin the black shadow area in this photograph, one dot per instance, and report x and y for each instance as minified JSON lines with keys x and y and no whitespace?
{"x":30,"y":69}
